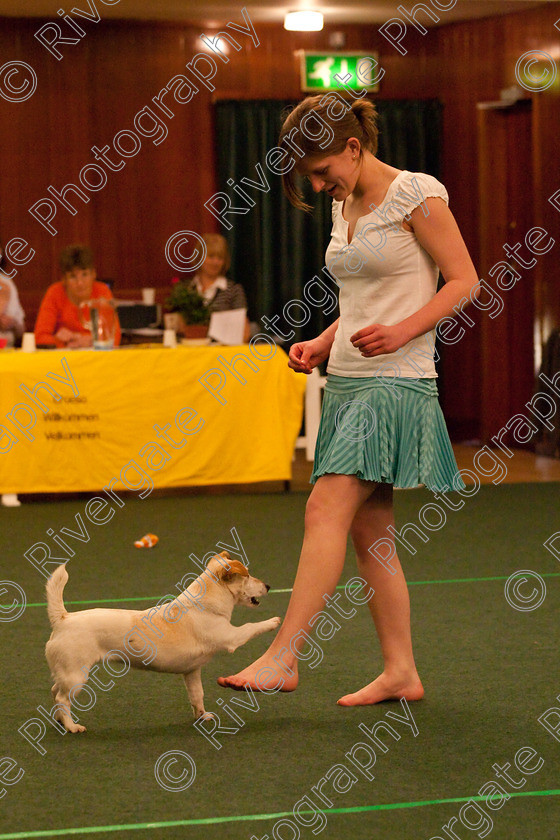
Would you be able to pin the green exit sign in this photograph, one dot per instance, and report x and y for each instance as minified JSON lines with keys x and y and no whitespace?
{"x":360,"y":70}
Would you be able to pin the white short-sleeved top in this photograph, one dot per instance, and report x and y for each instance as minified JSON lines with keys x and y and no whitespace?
{"x":384,"y":276}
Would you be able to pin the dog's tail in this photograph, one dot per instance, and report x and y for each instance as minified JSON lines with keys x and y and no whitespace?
{"x":55,"y":587}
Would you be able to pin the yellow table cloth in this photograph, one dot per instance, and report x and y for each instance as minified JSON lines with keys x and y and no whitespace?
{"x":142,"y":418}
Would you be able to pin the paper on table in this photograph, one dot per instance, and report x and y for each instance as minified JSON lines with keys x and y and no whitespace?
{"x":228,"y":327}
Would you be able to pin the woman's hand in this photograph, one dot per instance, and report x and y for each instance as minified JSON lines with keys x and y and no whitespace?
{"x":64,"y":335}
{"x":80,"y":340}
{"x":73,"y":340}
{"x":305,"y":355}
{"x":377,"y":339}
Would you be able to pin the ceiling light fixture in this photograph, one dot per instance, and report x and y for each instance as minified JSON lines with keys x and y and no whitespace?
{"x":305,"y":21}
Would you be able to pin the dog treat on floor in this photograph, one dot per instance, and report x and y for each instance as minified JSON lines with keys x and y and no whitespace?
{"x":147,"y":541}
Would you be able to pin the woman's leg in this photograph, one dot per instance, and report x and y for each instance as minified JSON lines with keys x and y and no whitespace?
{"x":330,"y":510}
{"x":390,"y":606}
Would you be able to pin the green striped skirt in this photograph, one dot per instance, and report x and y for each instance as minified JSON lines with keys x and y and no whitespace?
{"x":385,"y":430}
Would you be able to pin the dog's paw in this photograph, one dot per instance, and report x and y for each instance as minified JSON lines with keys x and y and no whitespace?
{"x":76,"y":727}
{"x":205,"y":716}
{"x":275,"y":622}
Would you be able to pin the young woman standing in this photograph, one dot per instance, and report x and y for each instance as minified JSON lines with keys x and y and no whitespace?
{"x":381,"y":424}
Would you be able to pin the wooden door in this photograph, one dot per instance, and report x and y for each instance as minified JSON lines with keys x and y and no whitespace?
{"x":506,"y":215}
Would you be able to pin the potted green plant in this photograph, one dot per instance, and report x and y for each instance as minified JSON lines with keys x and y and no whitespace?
{"x":193,"y":315}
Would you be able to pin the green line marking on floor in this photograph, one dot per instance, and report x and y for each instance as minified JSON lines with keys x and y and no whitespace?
{"x":358,"y":809}
{"x":473,"y":580}
{"x":152,"y":598}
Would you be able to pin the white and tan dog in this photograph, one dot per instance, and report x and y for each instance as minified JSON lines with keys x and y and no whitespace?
{"x":178,"y":637}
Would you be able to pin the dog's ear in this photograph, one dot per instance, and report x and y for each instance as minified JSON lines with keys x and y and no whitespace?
{"x":218,"y":563}
{"x":234,"y":568}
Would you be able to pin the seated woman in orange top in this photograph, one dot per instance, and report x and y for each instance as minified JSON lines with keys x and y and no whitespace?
{"x":58,"y":322}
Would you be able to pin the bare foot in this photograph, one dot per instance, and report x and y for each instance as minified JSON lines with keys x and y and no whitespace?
{"x":264,"y":674}
{"x":385,"y":688}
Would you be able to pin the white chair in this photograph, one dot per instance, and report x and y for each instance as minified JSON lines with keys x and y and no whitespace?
{"x":312,"y":413}
{"x":10,"y":500}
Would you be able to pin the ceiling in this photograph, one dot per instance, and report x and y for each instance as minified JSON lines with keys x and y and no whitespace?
{"x":217,"y":11}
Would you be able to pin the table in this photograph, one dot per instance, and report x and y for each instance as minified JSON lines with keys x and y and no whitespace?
{"x":139,"y":418}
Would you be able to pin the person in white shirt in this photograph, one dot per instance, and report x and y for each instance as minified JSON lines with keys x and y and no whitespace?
{"x":12,"y":325}
{"x":12,"y":316}
{"x":381,"y":423}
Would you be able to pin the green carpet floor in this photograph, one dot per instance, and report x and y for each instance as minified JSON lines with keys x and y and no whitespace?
{"x":489,"y":671}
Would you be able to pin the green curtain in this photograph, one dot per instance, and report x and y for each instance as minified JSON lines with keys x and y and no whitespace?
{"x":275,"y":248}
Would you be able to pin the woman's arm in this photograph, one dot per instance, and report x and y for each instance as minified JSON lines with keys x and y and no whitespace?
{"x":9,"y":300}
{"x":440,"y":236}
{"x":305,"y":355}
{"x":330,"y":332}
{"x":47,"y":321}
{"x":4,"y":299}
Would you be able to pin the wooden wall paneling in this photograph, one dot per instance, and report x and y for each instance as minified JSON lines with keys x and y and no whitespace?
{"x":529,"y":30}
{"x":38,"y":143}
{"x":525,"y":32}
{"x":519,"y":301}
{"x":24,"y":140}
{"x":459,"y":82}
{"x":492,"y":212}
{"x":127,"y":210}
{"x":546,"y":154}
{"x":69,"y":132}
{"x":476,"y":59}
{"x":163,"y":188}
{"x":186,"y":164}
{"x":271,"y":70}
{"x":118,"y":93}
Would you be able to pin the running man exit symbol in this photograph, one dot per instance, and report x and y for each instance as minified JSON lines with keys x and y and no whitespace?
{"x":319,"y":71}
